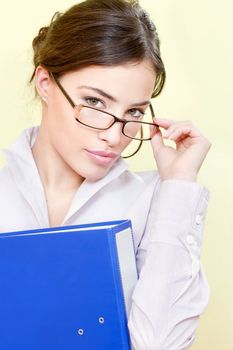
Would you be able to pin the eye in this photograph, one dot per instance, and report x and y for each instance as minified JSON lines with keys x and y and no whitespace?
{"x":136,"y":113}
{"x":93,"y":102}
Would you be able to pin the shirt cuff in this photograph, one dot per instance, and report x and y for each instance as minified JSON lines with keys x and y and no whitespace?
{"x":178,"y":212}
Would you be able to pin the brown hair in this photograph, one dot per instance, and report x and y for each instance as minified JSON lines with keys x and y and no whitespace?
{"x":99,"y":32}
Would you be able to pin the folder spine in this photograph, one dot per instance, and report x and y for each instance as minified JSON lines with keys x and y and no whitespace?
{"x":119,"y":289}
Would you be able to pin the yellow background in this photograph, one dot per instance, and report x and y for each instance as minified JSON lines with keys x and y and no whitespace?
{"x":196,"y":43}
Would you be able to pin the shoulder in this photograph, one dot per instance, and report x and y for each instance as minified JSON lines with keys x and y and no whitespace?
{"x":148,"y":176}
{"x":133,"y":186}
{"x":142,"y":179}
{"x":120,"y":178}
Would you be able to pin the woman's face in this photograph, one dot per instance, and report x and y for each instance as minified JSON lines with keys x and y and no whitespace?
{"x":91,"y":153}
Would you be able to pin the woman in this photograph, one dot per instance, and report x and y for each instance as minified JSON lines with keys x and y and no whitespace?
{"x":96,"y":68}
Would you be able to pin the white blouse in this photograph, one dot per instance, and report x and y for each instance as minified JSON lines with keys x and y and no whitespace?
{"x":167,"y":219}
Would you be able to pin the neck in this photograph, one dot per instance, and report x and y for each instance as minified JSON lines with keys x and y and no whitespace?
{"x":55,"y":174}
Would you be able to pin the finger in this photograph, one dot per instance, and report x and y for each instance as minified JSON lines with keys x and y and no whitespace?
{"x":180,"y":134}
{"x":157,"y":139}
{"x":153,"y":129}
{"x":187,"y":128}
{"x":164,"y":123}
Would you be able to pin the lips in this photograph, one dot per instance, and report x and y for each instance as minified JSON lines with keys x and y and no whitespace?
{"x":102,"y":157}
{"x":103,"y":154}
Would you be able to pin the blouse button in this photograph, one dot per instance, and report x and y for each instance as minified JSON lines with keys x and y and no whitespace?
{"x":198,"y":219}
{"x":190,"y":239}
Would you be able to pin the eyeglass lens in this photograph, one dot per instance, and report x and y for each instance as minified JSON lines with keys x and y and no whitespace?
{"x":100,"y":120}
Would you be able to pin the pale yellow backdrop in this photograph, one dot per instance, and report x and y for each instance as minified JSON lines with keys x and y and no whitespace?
{"x":197,"y":42}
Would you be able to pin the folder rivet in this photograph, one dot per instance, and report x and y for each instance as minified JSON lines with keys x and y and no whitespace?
{"x":101,"y":320}
{"x":80,"y":331}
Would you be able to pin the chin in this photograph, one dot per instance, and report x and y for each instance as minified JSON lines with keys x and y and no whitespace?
{"x":96,"y":175}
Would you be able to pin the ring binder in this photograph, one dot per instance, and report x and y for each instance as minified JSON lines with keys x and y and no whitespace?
{"x":67,"y":287}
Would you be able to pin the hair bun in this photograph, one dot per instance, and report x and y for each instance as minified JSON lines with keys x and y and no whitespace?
{"x":39,"y":39}
{"x":148,"y":22}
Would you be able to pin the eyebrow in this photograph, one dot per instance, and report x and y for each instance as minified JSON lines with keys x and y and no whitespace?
{"x":111,"y":98}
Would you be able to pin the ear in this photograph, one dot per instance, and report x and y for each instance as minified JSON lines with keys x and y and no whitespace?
{"x":42,"y":82}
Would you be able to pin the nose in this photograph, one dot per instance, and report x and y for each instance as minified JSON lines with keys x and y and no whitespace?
{"x":113,"y":135}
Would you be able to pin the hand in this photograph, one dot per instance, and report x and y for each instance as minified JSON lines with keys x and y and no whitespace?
{"x":184,"y":161}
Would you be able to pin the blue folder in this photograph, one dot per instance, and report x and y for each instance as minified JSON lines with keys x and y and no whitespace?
{"x":67,"y":288}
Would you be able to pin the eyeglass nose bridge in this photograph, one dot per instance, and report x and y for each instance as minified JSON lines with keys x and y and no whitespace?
{"x":123,"y":122}
{"x":118,"y":120}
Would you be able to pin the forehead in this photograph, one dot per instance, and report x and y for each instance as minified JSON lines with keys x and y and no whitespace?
{"x":131,"y":80}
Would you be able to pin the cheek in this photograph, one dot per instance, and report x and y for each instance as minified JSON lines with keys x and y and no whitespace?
{"x":62,"y":123}
{"x":70,"y":139}
{"x":63,"y":132}
{"x":130,"y":147}
{"x":127,"y":143}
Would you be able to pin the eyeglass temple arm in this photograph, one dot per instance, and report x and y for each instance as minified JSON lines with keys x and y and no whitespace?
{"x":152,"y":111}
{"x":62,"y":90}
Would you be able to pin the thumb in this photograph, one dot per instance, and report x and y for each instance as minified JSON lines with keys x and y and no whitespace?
{"x":156,"y":139}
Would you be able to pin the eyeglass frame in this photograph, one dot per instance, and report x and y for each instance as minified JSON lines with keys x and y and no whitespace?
{"x":116,"y":119}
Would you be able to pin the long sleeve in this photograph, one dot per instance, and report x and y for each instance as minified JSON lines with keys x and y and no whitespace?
{"x":172,"y":290}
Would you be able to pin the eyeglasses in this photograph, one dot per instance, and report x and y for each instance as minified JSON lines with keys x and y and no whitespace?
{"x":97,"y":119}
